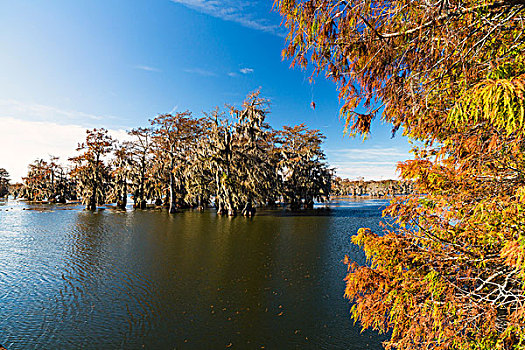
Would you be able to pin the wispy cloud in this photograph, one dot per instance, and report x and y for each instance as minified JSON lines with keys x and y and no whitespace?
{"x":356,"y":171}
{"x":246,"y":70}
{"x":174,"y":109}
{"x":370,"y":163}
{"x":147,"y":68}
{"x":239,"y":11}
{"x":34,"y":111}
{"x":202,"y":72}
{"x":368,"y":153}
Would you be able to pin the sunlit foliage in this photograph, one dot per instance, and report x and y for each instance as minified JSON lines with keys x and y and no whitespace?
{"x":241,"y":157}
{"x":175,"y":141}
{"x":120,"y":174}
{"x":140,"y":152}
{"x":306,"y":176}
{"x":230,"y":158}
{"x":90,"y":173}
{"x":47,"y":180}
{"x":449,"y":271}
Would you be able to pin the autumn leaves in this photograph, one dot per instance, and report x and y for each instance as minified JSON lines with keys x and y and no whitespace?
{"x":448,"y":273}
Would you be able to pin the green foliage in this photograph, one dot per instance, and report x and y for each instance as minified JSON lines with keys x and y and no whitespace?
{"x":448,"y":271}
{"x":498,"y":101}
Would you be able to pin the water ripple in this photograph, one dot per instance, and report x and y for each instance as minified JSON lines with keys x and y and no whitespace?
{"x":73,"y":279}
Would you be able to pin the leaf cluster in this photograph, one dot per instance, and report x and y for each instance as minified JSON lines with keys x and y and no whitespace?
{"x":448,"y":270}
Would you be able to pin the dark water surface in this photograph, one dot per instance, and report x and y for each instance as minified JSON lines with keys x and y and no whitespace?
{"x":74,"y":279}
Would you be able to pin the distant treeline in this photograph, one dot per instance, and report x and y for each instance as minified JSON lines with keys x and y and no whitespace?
{"x":382,"y":188}
{"x":232,"y":159}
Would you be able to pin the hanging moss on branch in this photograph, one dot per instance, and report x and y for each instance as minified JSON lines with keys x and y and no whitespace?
{"x":232,"y":159}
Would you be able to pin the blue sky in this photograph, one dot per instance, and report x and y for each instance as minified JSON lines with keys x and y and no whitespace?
{"x":70,"y":65}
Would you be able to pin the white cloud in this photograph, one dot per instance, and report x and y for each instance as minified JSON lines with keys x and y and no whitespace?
{"x":202,"y":72}
{"x":208,"y":73}
{"x":367,"y":153}
{"x":355,"y":171}
{"x":31,"y":131}
{"x":370,"y":163}
{"x":24,"y":141}
{"x":147,"y":68}
{"x":17,"y":109}
{"x":174,"y":109}
{"x":242,"y":71}
{"x":234,"y":11}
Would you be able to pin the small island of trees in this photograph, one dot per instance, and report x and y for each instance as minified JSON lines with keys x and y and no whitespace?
{"x":232,"y":159}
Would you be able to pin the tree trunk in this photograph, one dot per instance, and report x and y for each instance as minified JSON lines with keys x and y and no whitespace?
{"x":309,"y":203}
{"x":229,"y":204}
{"x":295,"y":203}
{"x":123,"y":197}
{"x":248,"y":210}
{"x":200,"y":202}
{"x":219,"y":204}
{"x":92,"y":204}
{"x":173,"y":195}
{"x":141,"y":199}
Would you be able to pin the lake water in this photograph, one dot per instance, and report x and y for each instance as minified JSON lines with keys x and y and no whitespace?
{"x":74,"y":279}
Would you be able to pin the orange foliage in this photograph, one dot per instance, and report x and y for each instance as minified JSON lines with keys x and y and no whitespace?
{"x":448,"y":271}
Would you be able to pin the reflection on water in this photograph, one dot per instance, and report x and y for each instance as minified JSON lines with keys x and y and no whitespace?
{"x":74,"y":279}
